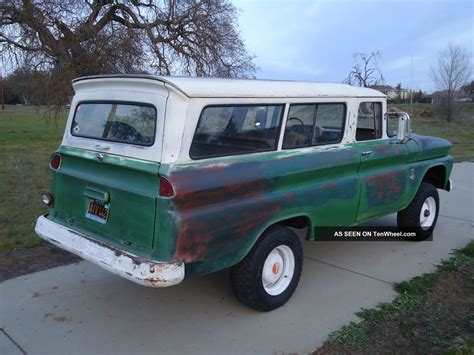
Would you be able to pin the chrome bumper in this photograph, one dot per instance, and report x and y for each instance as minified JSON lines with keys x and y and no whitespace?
{"x":132,"y":267}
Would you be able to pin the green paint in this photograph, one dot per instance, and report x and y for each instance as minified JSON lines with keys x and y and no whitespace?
{"x":130,"y":185}
{"x":110,"y":159}
{"x":222,"y":205}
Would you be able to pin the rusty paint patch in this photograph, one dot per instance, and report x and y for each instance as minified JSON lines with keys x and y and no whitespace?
{"x":385,"y":188}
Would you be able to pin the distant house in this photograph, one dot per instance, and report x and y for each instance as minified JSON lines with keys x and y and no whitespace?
{"x":391,"y":92}
{"x":468,"y":90}
{"x":440,"y":96}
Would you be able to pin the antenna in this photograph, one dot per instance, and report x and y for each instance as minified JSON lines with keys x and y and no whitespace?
{"x":411,"y":87}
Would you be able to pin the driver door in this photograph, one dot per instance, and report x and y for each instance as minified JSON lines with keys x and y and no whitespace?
{"x":383,"y":171}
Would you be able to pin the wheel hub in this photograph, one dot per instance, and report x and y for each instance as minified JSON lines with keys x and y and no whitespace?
{"x":428,"y":212}
{"x":278,"y":270}
{"x":272,"y":269}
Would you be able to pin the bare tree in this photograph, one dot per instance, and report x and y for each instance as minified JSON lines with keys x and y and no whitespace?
{"x":452,"y":71}
{"x":72,"y":38}
{"x":366,"y":71}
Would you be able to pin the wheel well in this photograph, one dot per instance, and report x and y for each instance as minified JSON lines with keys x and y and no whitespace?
{"x":436,"y":176}
{"x":299,"y":222}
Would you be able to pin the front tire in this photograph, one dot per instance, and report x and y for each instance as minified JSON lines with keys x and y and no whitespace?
{"x":267,"y":277}
{"x":421,"y":214}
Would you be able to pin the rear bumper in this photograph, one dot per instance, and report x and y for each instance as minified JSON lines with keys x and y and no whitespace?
{"x":132,"y":267}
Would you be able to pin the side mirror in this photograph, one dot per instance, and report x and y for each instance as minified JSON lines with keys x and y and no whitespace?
{"x":404,"y":128}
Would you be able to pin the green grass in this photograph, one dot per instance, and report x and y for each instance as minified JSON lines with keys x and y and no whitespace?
{"x":27,"y":140}
{"x":459,"y":132}
{"x":410,"y":297}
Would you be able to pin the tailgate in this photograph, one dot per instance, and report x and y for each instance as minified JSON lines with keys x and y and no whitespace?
{"x":127,"y":187}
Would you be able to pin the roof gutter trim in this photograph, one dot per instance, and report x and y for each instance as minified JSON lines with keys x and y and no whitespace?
{"x":178,"y":89}
{"x":134,"y":76}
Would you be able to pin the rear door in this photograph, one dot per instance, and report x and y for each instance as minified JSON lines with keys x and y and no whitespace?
{"x":329,"y":178}
{"x":108,"y":180}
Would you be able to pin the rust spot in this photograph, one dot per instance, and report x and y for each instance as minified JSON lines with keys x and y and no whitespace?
{"x":383,"y":148}
{"x":290,"y":197}
{"x":330,"y":186}
{"x":385,"y":188}
{"x":135,"y":259}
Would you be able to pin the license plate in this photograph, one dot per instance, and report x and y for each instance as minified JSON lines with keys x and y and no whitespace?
{"x":98,"y":211}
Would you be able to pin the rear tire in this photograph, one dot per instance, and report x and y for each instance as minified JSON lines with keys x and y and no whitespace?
{"x":267,"y":277}
{"x":421,"y":214}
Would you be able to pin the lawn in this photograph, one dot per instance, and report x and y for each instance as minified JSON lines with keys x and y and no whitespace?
{"x":433,"y":314}
{"x":27,"y":140}
{"x":460,"y":132}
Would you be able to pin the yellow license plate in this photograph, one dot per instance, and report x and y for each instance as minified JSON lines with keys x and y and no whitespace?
{"x":98,"y":211}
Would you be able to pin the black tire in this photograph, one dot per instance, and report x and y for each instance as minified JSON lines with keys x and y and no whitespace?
{"x":409,"y":218}
{"x":246,"y":276}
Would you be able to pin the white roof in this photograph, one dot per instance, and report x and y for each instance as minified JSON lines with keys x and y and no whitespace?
{"x":213,"y":87}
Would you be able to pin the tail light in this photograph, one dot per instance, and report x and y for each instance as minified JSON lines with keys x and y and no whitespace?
{"x":55,"y":162}
{"x":166,"y":189}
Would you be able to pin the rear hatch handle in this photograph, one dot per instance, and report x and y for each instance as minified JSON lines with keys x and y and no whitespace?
{"x":101,"y":147}
{"x":96,"y":194}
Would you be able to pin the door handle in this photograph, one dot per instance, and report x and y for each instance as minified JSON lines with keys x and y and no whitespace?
{"x":366,"y":153}
{"x":102,"y":147}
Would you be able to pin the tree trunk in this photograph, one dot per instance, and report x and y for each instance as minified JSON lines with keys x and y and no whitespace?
{"x":450,"y":108}
{"x":25,"y":99}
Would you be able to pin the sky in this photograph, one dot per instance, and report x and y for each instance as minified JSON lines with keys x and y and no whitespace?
{"x":316,"y":40}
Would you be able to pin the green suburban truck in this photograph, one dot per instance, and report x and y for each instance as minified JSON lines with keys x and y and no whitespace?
{"x":159,"y":179}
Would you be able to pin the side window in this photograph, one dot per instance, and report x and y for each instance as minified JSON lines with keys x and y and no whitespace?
{"x":329,"y":123}
{"x":314,"y":124}
{"x":369,"y":121}
{"x":299,"y":126}
{"x":230,"y":130}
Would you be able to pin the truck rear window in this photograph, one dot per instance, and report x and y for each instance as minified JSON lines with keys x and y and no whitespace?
{"x":230,"y":130}
{"x":130,"y":123}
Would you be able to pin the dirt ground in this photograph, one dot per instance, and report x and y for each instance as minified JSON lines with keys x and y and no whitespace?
{"x":442,"y":324}
{"x":27,"y":260}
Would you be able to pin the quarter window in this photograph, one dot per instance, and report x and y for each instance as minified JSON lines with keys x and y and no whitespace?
{"x":230,"y":130}
{"x":314,"y":124}
{"x":369,"y":121}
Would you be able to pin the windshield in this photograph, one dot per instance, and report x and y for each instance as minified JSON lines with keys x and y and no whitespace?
{"x":132,"y":123}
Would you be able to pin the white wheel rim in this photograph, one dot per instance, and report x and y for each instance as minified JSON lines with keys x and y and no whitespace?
{"x":428,"y":213}
{"x":278,"y":270}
